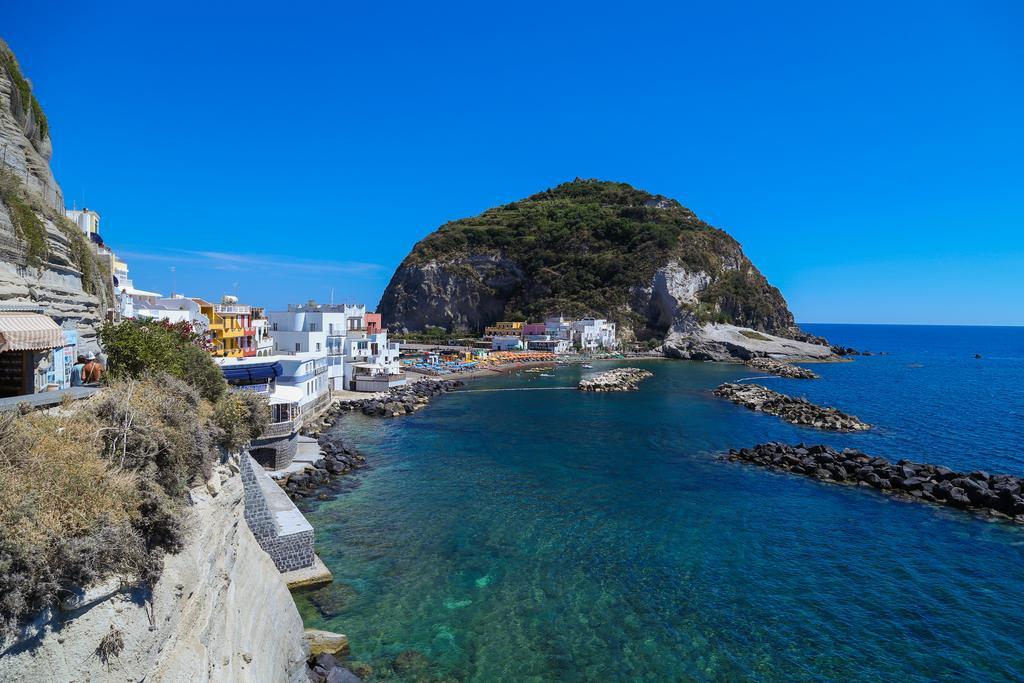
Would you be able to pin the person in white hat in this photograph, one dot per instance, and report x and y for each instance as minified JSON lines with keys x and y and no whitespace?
{"x":93,"y":371}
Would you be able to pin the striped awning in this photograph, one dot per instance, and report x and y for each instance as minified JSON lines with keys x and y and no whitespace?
{"x":28,"y":332}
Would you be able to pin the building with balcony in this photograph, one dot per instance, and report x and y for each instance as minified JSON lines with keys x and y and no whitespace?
{"x":504,"y":329}
{"x":557,"y":327}
{"x":261,"y":325}
{"x":321,"y":328}
{"x":555,"y":346}
{"x":297,"y":389}
{"x":371,"y":363}
{"x":591,"y":334}
{"x":230,"y":331}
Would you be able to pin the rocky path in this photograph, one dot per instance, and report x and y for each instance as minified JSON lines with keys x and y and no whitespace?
{"x":998,"y":495}
{"x":798,"y":411}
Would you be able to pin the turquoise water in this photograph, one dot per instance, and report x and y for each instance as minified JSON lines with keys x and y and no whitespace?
{"x":558,"y":536}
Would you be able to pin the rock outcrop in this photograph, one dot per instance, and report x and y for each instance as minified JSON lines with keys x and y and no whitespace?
{"x":592,"y":247}
{"x":777,"y":367}
{"x":54,"y":272}
{"x":798,"y":411}
{"x":403,"y":400}
{"x":619,"y":379}
{"x":994,"y":494}
{"x":203,"y":623}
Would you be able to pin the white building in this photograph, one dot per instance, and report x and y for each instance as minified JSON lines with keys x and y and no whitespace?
{"x":558,"y":328}
{"x":371,"y":363}
{"x":264,"y":342}
{"x":591,"y":334}
{"x":556,"y":346}
{"x":88,"y":221}
{"x":173,"y":309}
{"x":506,"y":342}
{"x":359,"y":356}
{"x":296,"y":387}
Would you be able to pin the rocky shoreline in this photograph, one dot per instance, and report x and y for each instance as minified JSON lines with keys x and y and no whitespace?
{"x":798,"y":411}
{"x":618,"y":379}
{"x":402,"y":400}
{"x":780,"y":368}
{"x":998,"y":495}
{"x":319,"y":480}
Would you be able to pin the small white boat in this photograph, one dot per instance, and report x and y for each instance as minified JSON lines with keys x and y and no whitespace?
{"x":546,"y":374}
{"x":587,"y":366}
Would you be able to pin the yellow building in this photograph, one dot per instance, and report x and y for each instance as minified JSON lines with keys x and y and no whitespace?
{"x":231,"y":332}
{"x":504,"y":329}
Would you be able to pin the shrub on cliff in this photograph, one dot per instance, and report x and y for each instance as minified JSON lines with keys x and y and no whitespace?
{"x":144,"y":348}
{"x":241,"y":417}
{"x":66,"y":516}
{"x":27,"y":225}
{"x":158,"y":429}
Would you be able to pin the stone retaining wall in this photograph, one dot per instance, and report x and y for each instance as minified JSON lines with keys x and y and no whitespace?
{"x":277,"y":524}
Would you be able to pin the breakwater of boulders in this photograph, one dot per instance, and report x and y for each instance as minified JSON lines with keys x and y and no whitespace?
{"x":995,"y":494}
{"x":796,"y":410}
{"x":619,"y":379}
{"x":319,"y":479}
{"x":402,"y":400}
{"x":777,"y":367}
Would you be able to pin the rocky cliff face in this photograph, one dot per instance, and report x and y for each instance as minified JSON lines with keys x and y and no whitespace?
{"x":49,"y":263}
{"x":220,"y":612}
{"x":587,"y":248}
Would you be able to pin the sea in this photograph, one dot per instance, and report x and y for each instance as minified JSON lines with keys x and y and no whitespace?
{"x":520,"y":530}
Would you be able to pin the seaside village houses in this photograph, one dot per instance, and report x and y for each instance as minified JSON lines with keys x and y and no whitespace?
{"x":298,"y":358}
{"x":556,"y":335}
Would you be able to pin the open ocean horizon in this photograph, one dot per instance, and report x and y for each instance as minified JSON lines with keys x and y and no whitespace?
{"x":562,"y":536}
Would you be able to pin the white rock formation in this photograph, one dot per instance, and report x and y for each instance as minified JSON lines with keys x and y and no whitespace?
{"x":675,"y":293}
{"x":220,"y":612}
{"x":57,"y":285}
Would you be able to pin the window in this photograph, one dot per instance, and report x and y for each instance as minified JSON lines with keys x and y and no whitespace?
{"x":318,"y":346}
{"x":298,"y":346}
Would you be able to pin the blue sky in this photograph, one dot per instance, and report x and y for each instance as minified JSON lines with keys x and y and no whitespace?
{"x":867,"y":156}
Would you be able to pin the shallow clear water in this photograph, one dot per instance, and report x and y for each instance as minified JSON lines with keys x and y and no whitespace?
{"x":560,"y":536}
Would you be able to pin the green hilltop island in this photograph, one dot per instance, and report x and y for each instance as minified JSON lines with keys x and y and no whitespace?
{"x":597,"y":248}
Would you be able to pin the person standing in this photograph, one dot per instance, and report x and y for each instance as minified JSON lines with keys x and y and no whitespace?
{"x":76,"y":371}
{"x":92,"y":372}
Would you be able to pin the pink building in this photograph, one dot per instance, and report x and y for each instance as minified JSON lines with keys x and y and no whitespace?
{"x":533,"y":329}
{"x":373,"y":323}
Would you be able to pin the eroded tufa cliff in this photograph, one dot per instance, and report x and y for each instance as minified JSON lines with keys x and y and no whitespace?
{"x":44,"y":259}
{"x":592,"y":247}
{"x":220,"y":612}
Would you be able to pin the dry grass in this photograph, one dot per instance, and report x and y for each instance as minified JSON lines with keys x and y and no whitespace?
{"x":751,"y":334}
{"x":55,"y":484}
{"x":110,"y":645}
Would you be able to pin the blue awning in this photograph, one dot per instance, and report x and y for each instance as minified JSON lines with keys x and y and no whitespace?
{"x":251,"y":373}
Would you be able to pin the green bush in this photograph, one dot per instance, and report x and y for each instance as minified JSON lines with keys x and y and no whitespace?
{"x":241,"y":417}
{"x":27,"y":225}
{"x":28,"y":99}
{"x":142,"y":348}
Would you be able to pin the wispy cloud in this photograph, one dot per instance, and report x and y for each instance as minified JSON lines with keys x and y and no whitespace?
{"x":219,"y":260}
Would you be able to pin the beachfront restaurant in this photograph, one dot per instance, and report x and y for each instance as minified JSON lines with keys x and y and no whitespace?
{"x":33,"y":352}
